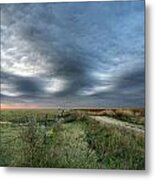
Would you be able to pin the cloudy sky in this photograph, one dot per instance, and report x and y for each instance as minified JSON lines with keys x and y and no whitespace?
{"x":72,"y":54}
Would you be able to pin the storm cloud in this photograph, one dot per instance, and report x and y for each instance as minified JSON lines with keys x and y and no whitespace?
{"x":81,"y":54}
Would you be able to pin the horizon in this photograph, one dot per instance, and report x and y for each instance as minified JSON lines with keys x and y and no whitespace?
{"x":6,"y":107}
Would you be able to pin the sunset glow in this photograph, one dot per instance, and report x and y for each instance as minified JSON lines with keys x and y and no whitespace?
{"x":19,"y":106}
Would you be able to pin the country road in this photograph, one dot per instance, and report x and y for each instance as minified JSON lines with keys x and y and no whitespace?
{"x":109,"y":120}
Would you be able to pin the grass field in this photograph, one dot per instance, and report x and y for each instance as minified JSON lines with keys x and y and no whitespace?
{"x":72,"y":139}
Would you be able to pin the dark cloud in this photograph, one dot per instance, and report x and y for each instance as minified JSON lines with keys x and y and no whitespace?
{"x":73,"y":54}
{"x":132,"y":80}
{"x":25,"y":85}
{"x":28,"y":85}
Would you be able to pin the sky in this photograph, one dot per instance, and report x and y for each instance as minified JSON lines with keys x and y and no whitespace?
{"x":83,"y":54}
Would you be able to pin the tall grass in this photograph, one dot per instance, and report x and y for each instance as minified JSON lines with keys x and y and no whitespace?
{"x":75,"y":142}
{"x":116,"y":147}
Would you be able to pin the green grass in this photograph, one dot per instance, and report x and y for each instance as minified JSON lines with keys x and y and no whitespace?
{"x":116,"y":147}
{"x":76,"y":142}
{"x":21,"y":116}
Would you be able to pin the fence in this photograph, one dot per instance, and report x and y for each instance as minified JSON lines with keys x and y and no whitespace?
{"x":27,"y":138}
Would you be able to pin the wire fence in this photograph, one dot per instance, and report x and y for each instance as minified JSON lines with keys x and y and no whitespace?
{"x":26,"y":122}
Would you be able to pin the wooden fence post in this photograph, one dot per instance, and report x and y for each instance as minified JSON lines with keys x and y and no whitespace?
{"x":46,"y":117}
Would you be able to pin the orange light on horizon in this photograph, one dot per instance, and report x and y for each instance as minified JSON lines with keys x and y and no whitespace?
{"x":19,"y":106}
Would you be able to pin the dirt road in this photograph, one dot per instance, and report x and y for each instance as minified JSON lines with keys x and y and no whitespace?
{"x":109,"y":120}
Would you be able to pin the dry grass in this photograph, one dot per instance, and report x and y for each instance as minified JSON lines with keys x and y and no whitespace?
{"x":119,"y":111}
{"x":135,"y":116}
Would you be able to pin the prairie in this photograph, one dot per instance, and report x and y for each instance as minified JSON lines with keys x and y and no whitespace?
{"x":73,"y":138}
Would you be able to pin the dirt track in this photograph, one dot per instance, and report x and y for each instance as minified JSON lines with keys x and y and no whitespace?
{"x":108,"y":120}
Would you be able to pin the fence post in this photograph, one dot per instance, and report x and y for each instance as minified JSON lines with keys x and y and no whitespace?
{"x":46,"y":116}
{"x":32,"y":125}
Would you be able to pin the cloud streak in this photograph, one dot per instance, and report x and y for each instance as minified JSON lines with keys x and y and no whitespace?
{"x":73,"y":54}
